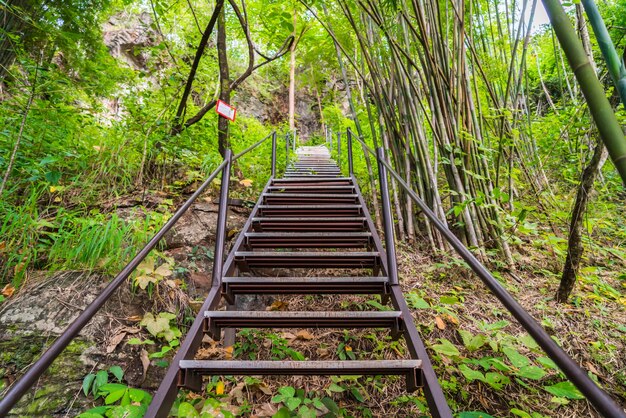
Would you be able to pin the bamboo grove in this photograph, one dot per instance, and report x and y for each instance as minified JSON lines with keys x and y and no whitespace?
{"x":446,"y":89}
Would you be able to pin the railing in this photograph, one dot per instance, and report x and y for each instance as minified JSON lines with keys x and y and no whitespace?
{"x":600,"y":400}
{"x":19,"y":389}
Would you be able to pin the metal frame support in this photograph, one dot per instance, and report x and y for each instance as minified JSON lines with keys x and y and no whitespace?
{"x":350,"y":159}
{"x":274,"y":154}
{"x":390,"y":245}
{"x":339,"y":149}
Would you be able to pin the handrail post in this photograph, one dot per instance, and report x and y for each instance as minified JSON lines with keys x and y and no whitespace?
{"x":274,"y":154}
{"x":295,"y":139}
{"x":350,"y":162}
{"x":339,"y":150}
{"x":286,"y":149}
{"x":222,"y":216}
{"x":390,"y":245}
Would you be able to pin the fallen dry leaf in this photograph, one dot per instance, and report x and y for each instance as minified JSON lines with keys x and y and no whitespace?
{"x":115,"y":341}
{"x":3,"y":246}
{"x":228,"y":353}
{"x":134,"y":318}
{"x":8,"y":290}
{"x":305,"y":335}
{"x":145,"y":362}
{"x":246,"y":182}
{"x":278,"y":305}
{"x":268,"y":410}
{"x":440,"y":324}
{"x":219,"y":388}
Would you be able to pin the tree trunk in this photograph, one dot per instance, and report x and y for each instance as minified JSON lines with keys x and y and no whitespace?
{"x":574,"y":244}
{"x":292,"y":78}
{"x":222,"y":124}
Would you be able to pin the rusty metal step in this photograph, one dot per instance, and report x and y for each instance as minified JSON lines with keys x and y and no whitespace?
{"x":310,"y":210}
{"x":309,"y":198}
{"x":300,"y":188}
{"x":274,"y":259}
{"x":309,"y":224}
{"x":191,"y":371}
{"x":308,"y":239}
{"x":305,"y":285}
{"x":320,"y":179}
{"x":215,"y":321}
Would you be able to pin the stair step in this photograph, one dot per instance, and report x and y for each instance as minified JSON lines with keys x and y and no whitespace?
{"x":217,"y":320}
{"x":318,"y":179}
{"x":273,"y":259}
{"x":308,"y":239}
{"x":309,"y":224}
{"x":191,"y":371}
{"x":304,"y":285}
{"x":309,"y":198}
{"x":310,"y":210}
{"x":312,"y":189}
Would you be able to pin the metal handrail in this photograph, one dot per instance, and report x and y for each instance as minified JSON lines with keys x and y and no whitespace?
{"x":600,"y":400}
{"x":19,"y":389}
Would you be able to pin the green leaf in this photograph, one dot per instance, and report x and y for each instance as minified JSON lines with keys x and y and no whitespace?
{"x":53,"y":176}
{"x":357,"y":394}
{"x":446,"y":348}
{"x":115,"y":396}
{"x":470,"y":374}
{"x":529,"y":342}
{"x":564,"y":390}
{"x":293,"y":403}
{"x":287,"y":391}
{"x":87,"y":381}
{"x":102,"y":377}
{"x":518,"y":360}
{"x":416,"y":302}
{"x":474,"y":414}
{"x":472,"y":342}
{"x":548,"y":363}
{"x":282,"y":413}
{"x":186,"y":409}
{"x":306,"y":412}
{"x":331,"y":405}
{"x":520,"y":413}
{"x":117,"y":372}
{"x":335,"y":388}
{"x":496,"y":380}
{"x":531,"y":372}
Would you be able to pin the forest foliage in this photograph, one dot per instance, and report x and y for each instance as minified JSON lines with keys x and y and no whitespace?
{"x":476,"y":107}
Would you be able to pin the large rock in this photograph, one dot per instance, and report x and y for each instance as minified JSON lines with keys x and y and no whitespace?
{"x":197,"y":225}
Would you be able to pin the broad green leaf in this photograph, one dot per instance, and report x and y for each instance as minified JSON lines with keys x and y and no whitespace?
{"x":547,"y":362}
{"x":474,"y":414}
{"x":446,"y":348}
{"x":185,"y":409}
{"x":102,"y":377}
{"x":306,"y":412}
{"x":282,"y":413}
{"x":331,"y":405}
{"x":564,"y":390}
{"x":518,"y":360}
{"x":531,"y":372}
{"x":470,"y":374}
{"x":520,"y":413}
{"x":117,"y":372}
{"x":416,"y":302}
{"x":115,"y":396}
{"x":335,"y":388}
{"x":287,"y":391}
{"x":357,"y":394}
{"x":293,"y":403}
{"x":496,"y":380}
{"x":87,"y":382}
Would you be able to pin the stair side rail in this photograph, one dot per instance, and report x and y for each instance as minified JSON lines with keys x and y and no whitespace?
{"x":598,"y":398}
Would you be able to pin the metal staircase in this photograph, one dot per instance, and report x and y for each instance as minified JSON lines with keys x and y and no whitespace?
{"x":313,"y":218}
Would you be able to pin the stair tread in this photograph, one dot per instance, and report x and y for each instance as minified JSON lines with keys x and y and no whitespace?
{"x":308,"y":234}
{"x":316,"y":367}
{"x":312,"y":280}
{"x":320,"y":254}
{"x":305,"y":314}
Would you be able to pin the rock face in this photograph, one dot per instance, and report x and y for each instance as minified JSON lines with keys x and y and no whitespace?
{"x":126,"y":34}
{"x":31,"y":320}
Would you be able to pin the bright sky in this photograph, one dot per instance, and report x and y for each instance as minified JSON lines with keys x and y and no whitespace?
{"x":541,"y":16}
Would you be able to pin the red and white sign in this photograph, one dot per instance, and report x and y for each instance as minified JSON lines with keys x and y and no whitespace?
{"x":226,"y":110}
